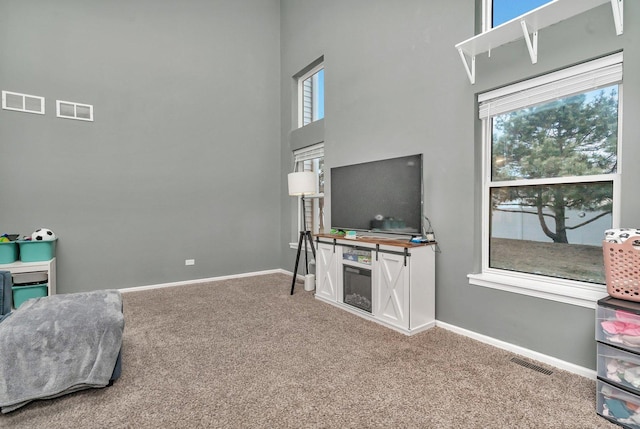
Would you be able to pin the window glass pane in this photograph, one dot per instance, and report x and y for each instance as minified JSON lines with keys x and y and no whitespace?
{"x":313,"y":98}
{"x":315,"y":214}
{"x":552,"y":230}
{"x":320,"y":170}
{"x":571,"y":136}
{"x":307,"y":101}
{"x":319,"y":98}
{"x":506,"y":10}
{"x":314,"y":205}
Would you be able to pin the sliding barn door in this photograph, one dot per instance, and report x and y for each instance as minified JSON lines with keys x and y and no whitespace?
{"x":392,"y":289}
{"x":327,"y":271}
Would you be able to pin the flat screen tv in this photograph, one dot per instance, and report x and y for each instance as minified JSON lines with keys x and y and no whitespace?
{"x":379,"y":196}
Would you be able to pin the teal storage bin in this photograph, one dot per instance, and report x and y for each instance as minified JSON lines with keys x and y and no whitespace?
{"x":37,"y":251}
{"x":8,"y":252}
{"x":23,"y":293}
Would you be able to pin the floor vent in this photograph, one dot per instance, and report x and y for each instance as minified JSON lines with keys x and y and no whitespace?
{"x":531,"y":366}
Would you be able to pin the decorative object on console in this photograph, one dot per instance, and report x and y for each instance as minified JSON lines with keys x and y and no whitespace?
{"x":302,"y":183}
{"x":352,"y":235}
{"x":429,"y":233}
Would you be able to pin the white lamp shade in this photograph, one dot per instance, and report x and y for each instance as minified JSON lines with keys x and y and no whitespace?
{"x":302,"y":183}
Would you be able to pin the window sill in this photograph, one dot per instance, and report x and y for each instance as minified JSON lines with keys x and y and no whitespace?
{"x":559,"y":290}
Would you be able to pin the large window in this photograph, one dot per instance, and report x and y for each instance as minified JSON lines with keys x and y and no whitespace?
{"x":311,"y":96}
{"x":498,"y":12}
{"x":551,"y":176}
{"x":312,"y":159}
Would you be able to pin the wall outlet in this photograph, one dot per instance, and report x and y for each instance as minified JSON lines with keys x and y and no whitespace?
{"x":189,"y":261}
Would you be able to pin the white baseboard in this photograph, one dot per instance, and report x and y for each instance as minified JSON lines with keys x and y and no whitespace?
{"x":205,"y":280}
{"x":550,"y":360}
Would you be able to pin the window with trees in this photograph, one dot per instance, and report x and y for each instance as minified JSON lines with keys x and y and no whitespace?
{"x":551,"y":174}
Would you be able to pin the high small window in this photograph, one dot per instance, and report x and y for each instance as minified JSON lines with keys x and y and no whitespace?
{"x":498,"y":12}
{"x":311,"y":96}
{"x":552,"y":175}
{"x":312,"y":159}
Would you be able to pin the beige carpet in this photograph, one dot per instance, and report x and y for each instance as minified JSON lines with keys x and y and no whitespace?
{"x":243,"y":353}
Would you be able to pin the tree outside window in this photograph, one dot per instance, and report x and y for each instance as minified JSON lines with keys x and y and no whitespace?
{"x":551,"y":186}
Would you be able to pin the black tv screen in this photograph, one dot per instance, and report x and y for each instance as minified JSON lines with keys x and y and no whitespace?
{"x":378,"y":196}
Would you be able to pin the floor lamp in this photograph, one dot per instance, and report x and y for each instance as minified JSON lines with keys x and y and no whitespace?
{"x":302,"y":183}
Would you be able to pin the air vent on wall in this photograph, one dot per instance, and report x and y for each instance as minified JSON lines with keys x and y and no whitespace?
{"x":22,"y":102}
{"x":71,"y":110}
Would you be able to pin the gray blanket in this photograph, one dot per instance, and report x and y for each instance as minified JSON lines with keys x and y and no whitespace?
{"x":59,"y":344}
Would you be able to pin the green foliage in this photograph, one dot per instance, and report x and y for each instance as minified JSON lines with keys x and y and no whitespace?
{"x":570,"y":137}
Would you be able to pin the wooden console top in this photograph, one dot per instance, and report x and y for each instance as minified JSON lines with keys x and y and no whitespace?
{"x":376,"y":240}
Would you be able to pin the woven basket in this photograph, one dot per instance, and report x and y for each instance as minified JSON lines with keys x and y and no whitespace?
{"x":622,"y":269}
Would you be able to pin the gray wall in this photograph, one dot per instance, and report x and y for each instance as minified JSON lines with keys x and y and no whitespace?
{"x":395,"y":85}
{"x":555,"y":329}
{"x":186,"y":160}
{"x":182,"y":160}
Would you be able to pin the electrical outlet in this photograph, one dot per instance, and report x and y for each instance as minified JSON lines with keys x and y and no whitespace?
{"x":189,"y":261}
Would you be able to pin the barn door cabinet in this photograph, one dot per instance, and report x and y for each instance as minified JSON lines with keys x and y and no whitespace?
{"x":401,"y":276}
{"x":327,"y":257}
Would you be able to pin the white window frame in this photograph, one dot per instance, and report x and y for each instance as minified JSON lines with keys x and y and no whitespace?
{"x":487,"y":15}
{"x":584,"y":77}
{"x":300,"y":90}
{"x":75,"y":105}
{"x":24,"y":107}
{"x":305,"y":154}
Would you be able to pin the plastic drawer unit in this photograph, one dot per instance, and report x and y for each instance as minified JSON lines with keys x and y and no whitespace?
{"x":618,"y":365}
{"x":618,"y":323}
{"x":618,"y":405}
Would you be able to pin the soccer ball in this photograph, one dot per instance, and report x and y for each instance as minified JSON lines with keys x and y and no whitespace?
{"x":43,"y":234}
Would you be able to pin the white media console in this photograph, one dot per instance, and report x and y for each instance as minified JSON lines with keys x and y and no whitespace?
{"x":389,"y":281}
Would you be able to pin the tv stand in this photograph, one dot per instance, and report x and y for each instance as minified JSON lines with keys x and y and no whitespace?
{"x":402,"y":278}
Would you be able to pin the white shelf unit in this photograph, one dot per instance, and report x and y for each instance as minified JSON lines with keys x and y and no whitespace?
{"x":402,"y":280}
{"x":31,"y":267}
{"x":527,"y":26}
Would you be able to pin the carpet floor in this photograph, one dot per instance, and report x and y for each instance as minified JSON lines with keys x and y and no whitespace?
{"x":243,"y":353}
